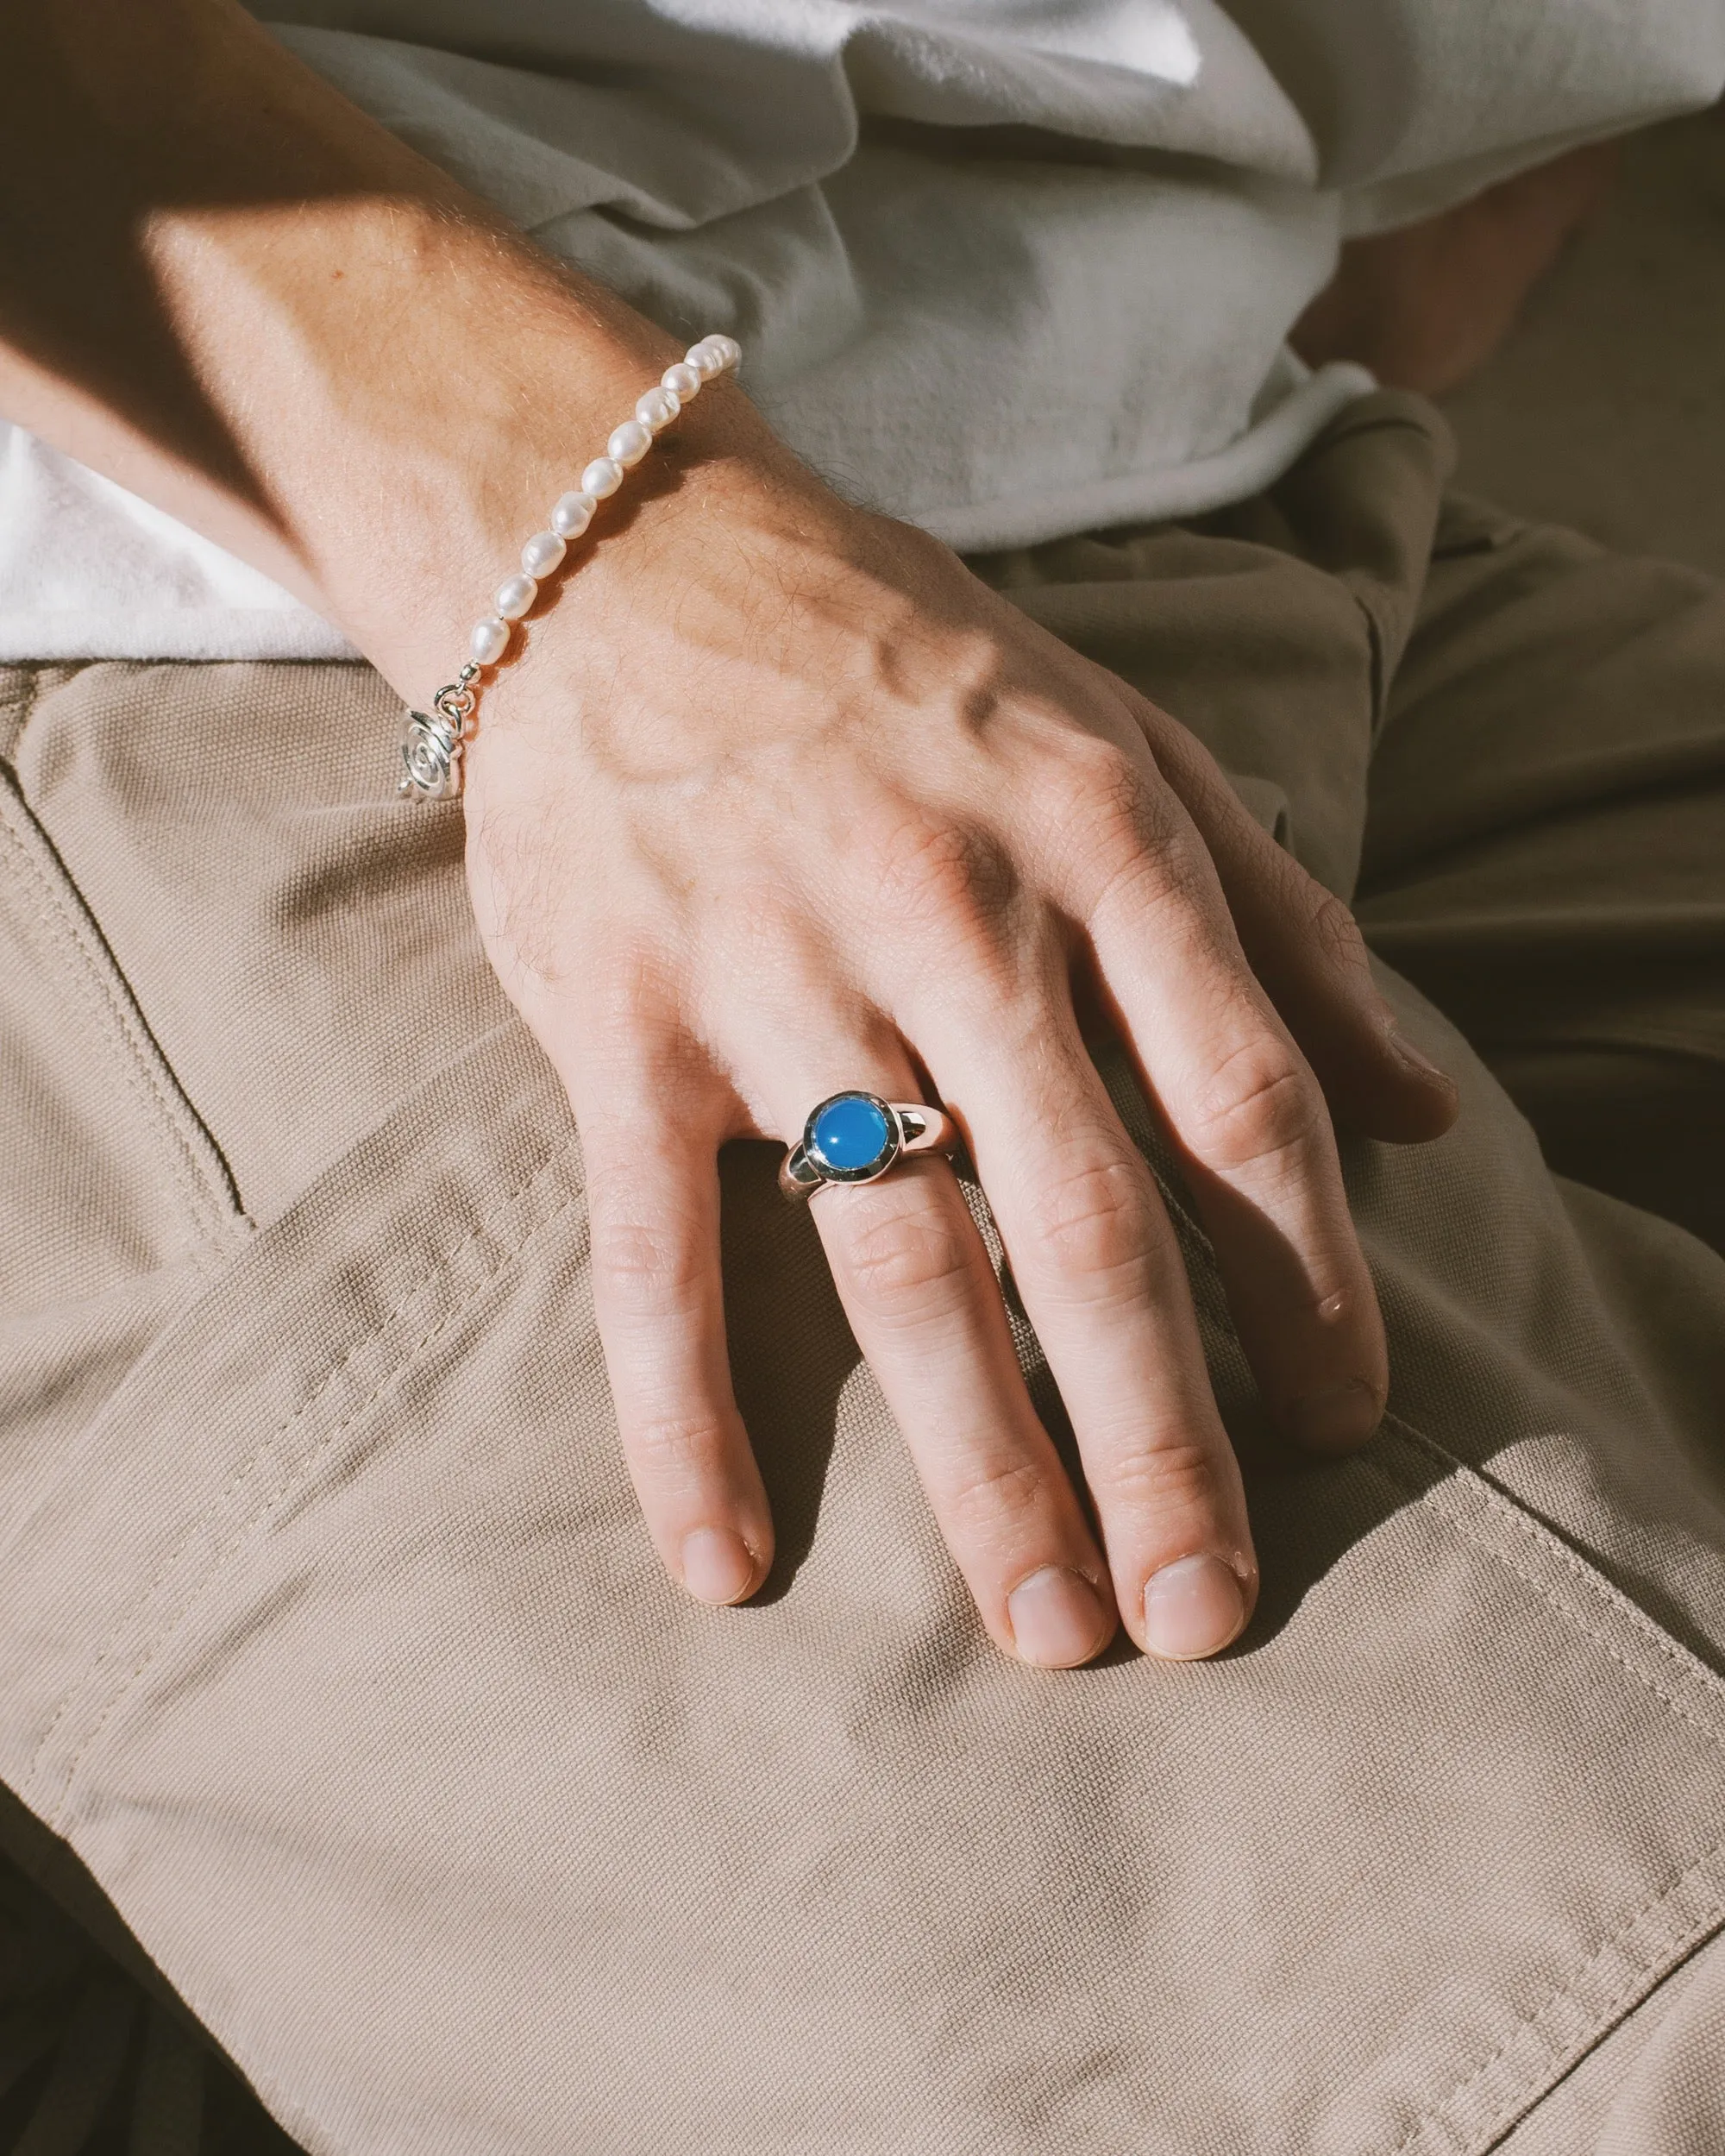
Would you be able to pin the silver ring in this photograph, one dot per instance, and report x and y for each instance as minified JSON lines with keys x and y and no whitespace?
{"x":857,"y":1137}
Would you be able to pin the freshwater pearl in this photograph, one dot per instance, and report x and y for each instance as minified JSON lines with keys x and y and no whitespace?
{"x":489,"y":641}
{"x":543,"y":553}
{"x":657,"y":410}
{"x":572,"y":514}
{"x":629,"y":443}
{"x":515,"y":595}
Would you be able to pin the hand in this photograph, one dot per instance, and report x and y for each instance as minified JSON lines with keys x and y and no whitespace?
{"x":780,"y":802}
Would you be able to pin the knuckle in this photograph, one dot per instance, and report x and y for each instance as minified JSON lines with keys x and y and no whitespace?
{"x":644,"y":1269}
{"x":618,"y":1013}
{"x":673,"y":1452}
{"x":1119,"y":832}
{"x":939,"y":875}
{"x":1120,"y":797}
{"x":626,"y":986}
{"x":1337,"y":933}
{"x":994,"y":1497}
{"x":1258,"y":1110}
{"x":902,"y":1264}
{"x":1181,"y":1480}
{"x":1092,"y":1220}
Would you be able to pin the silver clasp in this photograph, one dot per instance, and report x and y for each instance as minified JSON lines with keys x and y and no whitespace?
{"x":432,"y":741}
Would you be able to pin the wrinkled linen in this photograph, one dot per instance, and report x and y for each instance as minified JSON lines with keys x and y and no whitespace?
{"x":332,"y":1642}
{"x":1009,"y":268}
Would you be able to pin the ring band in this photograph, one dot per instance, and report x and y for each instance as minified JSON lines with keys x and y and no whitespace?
{"x":857,"y":1137}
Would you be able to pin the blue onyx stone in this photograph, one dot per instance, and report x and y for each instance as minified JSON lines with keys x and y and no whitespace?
{"x":850,"y":1132}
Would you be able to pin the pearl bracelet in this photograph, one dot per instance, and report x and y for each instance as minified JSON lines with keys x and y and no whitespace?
{"x":432,"y":741}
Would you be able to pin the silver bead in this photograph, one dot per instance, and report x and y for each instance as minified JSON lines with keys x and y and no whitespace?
{"x":431,"y":744}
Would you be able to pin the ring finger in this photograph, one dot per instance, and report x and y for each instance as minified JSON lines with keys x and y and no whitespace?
{"x":918,"y":1287}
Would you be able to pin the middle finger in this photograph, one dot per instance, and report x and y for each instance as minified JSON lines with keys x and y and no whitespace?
{"x":1095,"y":1259}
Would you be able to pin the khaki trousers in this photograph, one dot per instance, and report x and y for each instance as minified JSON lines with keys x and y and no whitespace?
{"x":334,"y":1656}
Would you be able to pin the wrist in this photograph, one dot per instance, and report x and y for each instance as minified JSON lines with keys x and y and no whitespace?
{"x":420,"y":386}
{"x":454,"y":458}
{"x":545,"y":520}
{"x":338,"y":364}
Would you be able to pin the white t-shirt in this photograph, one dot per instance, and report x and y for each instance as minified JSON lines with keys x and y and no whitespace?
{"x":1007,"y":268}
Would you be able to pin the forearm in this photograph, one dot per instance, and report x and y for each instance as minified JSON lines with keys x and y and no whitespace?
{"x":226,"y":288}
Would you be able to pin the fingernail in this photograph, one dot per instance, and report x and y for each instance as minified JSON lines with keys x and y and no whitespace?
{"x":716,"y":1565}
{"x":1337,"y":1419}
{"x":1056,"y":1619}
{"x":1421,"y":1065}
{"x":1192,"y":1608}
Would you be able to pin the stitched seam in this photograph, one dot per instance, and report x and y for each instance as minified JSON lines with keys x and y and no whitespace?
{"x":253,"y":1459}
{"x":1549,"y":1545}
{"x":22,"y":705}
{"x":137,"y":1060}
{"x":296,"y":1476}
{"x":1606,"y":2013}
{"x":437,"y":1267}
{"x":1431,"y":2115}
{"x":1552,"y":1546}
{"x":51,"y":912}
{"x":106,"y":1004}
{"x":1577,"y":1621}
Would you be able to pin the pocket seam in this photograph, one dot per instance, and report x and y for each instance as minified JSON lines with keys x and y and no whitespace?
{"x":1532,"y":2083}
{"x":205,"y":1196}
{"x":161,"y":1635}
{"x":1601,"y":2019}
{"x":1599,"y":1589}
{"x":1195,"y":1248}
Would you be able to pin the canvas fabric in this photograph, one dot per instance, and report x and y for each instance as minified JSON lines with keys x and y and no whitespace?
{"x":344,"y":1708}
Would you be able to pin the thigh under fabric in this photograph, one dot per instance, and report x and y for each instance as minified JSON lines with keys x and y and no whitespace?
{"x":1511,"y":757}
{"x":1544,"y":848}
{"x":331,"y":1644}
